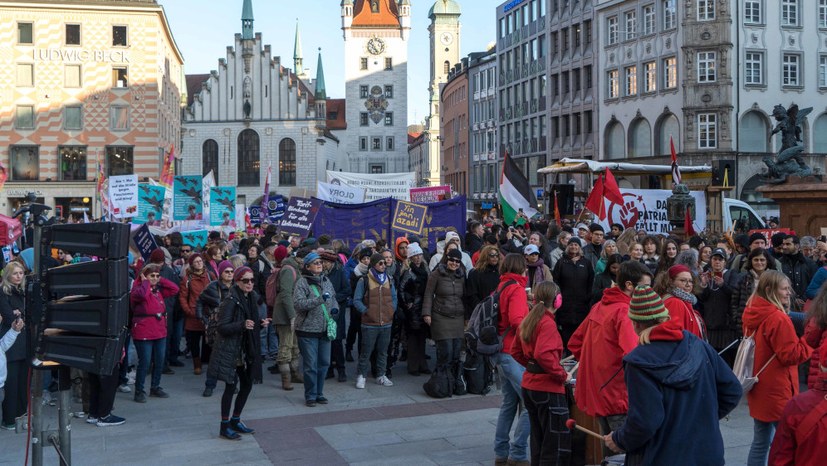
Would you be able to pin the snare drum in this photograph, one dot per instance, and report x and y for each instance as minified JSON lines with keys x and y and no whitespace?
{"x":614,"y":460}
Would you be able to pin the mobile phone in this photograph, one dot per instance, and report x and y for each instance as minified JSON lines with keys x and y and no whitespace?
{"x":718,"y":274}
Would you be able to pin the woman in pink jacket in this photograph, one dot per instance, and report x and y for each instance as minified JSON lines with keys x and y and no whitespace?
{"x":149,"y":327}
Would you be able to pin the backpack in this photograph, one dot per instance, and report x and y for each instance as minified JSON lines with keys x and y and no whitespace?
{"x":441,"y":384}
{"x":211,"y":320}
{"x":271,"y":288}
{"x":478,"y":371}
{"x":481,"y":332}
{"x":744,"y":363}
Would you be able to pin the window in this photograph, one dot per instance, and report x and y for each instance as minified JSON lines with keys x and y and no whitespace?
{"x":587,"y":71}
{"x":388,"y":91}
{"x":376,"y":143}
{"x":669,"y":15}
{"x":611,"y":30}
{"x":287,"y":162}
{"x":565,"y":82}
{"x":587,"y":32}
{"x":388,"y":118}
{"x":650,"y":77}
{"x":707,"y":131}
{"x":631,"y":80}
{"x":119,"y":160}
{"x":790,"y":72}
{"x":363,"y":119}
{"x":119,"y":77}
{"x":576,"y":30}
{"x":363,"y":63}
{"x":706,"y":67}
{"x":71,"y":76}
{"x":648,"y":19}
{"x":822,"y":13}
{"x":388,"y":63}
{"x":376,"y":168}
{"x":564,"y":39}
{"x":73,"y":34}
{"x":446,"y":67}
{"x":754,"y":68}
{"x":249,"y":159}
{"x":25,"y":75}
{"x":119,"y":38}
{"x":25,"y":163}
{"x":24,"y":117}
{"x":363,"y":143}
{"x":752,"y":12}
{"x":631,"y":24}
{"x":363,"y":92}
{"x":25,"y":33}
{"x":73,"y":117}
{"x":209,"y":158}
{"x":670,"y":73}
{"x":822,"y":71}
{"x":575,"y":78}
{"x":613,"y":90}
{"x":389,"y":143}
{"x":119,"y":118}
{"x":789,"y":13}
{"x":706,"y":10}
{"x":72,"y":163}
{"x":587,"y":120}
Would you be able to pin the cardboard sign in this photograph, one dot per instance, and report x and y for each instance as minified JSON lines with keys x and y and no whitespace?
{"x":123,"y":195}
{"x":187,"y":203}
{"x":195,"y":238}
{"x":299,"y":217}
{"x":409,"y":217}
{"x":144,"y":241}
{"x":430,"y":194}
{"x":150,"y":204}
{"x":222,"y":206}
{"x":339,"y":193}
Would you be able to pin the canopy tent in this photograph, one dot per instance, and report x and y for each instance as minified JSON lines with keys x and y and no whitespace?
{"x":10,"y":230}
{"x":567,"y":165}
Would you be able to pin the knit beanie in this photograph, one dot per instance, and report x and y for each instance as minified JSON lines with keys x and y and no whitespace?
{"x":375,"y":259}
{"x":646,"y":305}
{"x":455,"y":254}
{"x":677,"y":269}
{"x":366,"y":252}
{"x":778,"y":239}
{"x":310,"y":257}
{"x":192,"y":258}
{"x":757,"y":236}
{"x":224,"y":265}
{"x":157,"y":256}
{"x":280,"y":253}
{"x":414,"y":249}
{"x":239,"y":272}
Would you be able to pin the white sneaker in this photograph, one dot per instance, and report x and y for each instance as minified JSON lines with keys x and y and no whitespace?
{"x":124,"y":388}
{"x":91,"y":420}
{"x":384,"y":381}
{"x":360,"y":381}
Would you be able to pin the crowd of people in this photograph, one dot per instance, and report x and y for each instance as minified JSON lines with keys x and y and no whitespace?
{"x":653,"y":322}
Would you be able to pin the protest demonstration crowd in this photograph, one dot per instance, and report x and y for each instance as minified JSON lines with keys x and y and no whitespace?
{"x":638,"y":331}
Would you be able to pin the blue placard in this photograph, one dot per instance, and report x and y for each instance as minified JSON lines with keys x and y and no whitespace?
{"x":222,"y":206}
{"x":150,"y":204}
{"x":186,"y":198}
{"x":196,"y":238}
{"x":144,"y":241}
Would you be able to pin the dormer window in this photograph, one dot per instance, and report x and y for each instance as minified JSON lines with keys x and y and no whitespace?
{"x":374,"y":6}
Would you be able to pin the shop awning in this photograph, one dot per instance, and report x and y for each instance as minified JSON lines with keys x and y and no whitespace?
{"x":568,"y":165}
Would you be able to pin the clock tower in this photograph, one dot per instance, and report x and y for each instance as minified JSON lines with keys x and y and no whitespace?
{"x":444,"y":32}
{"x":376,"y":34}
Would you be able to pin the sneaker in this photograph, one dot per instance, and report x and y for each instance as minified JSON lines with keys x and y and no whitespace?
{"x":140,"y":396}
{"x":321,"y":400}
{"x":110,"y":420}
{"x":168,"y":371}
{"x":79,"y":415}
{"x":158,"y":392}
{"x":384,"y":381}
{"x":360,"y":381}
{"x":176,"y":363}
{"x":7,"y":426}
{"x":124,"y":388}
{"x":91,"y":420}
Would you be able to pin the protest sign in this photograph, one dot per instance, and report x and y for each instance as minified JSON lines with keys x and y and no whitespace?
{"x":430,"y":194}
{"x":207,"y":182}
{"x":339,"y":193}
{"x":646,"y":209}
{"x":376,"y":185}
{"x":144,"y":241}
{"x":222,"y":205}
{"x":123,"y":195}
{"x":409,"y":217}
{"x":299,"y":216}
{"x":195,"y":238}
{"x":150,"y":204}
{"x":187,"y":204}
{"x":275,"y":209}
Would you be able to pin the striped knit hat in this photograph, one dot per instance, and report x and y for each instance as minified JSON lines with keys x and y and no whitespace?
{"x":646,"y":305}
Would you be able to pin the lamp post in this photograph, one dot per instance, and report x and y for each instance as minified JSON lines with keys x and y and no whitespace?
{"x":676,"y":206}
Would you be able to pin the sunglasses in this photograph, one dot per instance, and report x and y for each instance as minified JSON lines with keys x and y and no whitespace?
{"x":247,"y":281}
{"x":494,"y":254}
{"x":455,"y":261}
{"x":186,"y":250}
{"x":230,"y":271}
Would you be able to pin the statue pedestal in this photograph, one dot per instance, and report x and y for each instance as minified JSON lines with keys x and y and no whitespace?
{"x":802,"y":203}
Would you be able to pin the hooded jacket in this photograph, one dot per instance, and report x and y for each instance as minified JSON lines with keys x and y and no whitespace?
{"x":679,"y":389}
{"x":815,"y":337}
{"x":191,"y":288}
{"x":600,"y":343}
{"x":513,"y":308}
{"x":443,"y":301}
{"x":774,"y":334}
{"x":545,"y":348}
{"x":680,"y":311}
{"x":283,"y":308}
{"x":149,"y":314}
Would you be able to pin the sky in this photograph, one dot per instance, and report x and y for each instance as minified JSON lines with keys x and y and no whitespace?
{"x":203,"y":30}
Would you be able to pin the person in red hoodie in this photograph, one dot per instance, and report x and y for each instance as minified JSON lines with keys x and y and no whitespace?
{"x":778,"y":352}
{"x":149,"y":327}
{"x":802,"y":431}
{"x":539,"y":347}
{"x":196,"y":279}
{"x":600,"y":343}
{"x":675,"y":287}
{"x":815,"y":332}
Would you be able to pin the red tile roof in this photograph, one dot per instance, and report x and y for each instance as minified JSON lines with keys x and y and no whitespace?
{"x":388,"y":14}
{"x":336,"y":108}
{"x":194,"y":82}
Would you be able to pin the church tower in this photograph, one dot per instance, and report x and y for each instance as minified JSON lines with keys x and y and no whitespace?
{"x":376,"y":34}
{"x":444,"y":33}
{"x":298,"y":59}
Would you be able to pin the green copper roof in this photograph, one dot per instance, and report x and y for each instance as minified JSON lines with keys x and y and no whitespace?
{"x":444,"y":7}
{"x":247,"y":20}
{"x":297,"y":46}
{"x":321,"y":93}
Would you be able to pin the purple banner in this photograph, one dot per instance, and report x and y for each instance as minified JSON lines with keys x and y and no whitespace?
{"x":300,"y":215}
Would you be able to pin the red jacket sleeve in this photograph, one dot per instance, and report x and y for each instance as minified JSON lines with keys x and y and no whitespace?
{"x":576,"y":340}
{"x":627,"y":339}
{"x":517,"y":306}
{"x":517,"y":351}
{"x":167,"y":288}
{"x":548,"y":349}
{"x":790,"y":350}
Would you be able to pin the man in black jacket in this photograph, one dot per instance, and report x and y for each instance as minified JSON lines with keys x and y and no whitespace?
{"x":473,"y":240}
{"x":574,"y":274}
{"x":799,"y":269}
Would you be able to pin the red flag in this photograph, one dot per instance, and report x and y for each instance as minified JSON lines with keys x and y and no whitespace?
{"x":687,"y":224}
{"x":595,"y":201}
{"x":610,"y":189}
{"x":4,"y":175}
{"x":265,"y":199}
{"x":168,"y":172}
{"x":556,"y":210}
{"x":676,"y":170}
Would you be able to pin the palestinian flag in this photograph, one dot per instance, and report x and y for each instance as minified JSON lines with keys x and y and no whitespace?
{"x":515,"y":193}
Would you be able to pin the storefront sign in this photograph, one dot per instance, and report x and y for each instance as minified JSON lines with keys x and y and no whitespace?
{"x":23,"y":192}
{"x":81,"y":55}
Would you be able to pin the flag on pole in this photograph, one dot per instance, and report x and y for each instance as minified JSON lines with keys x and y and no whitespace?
{"x":557,"y":218}
{"x":168,"y":174}
{"x":687,"y":224}
{"x":610,"y":189}
{"x":515,"y":192}
{"x":265,"y":199}
{"x":676,"y":170}
{"x":595,"y":200}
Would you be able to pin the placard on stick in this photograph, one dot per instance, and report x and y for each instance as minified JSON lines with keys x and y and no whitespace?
{"x":409,"y":217}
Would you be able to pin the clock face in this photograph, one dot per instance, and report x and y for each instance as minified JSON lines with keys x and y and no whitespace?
{"x":376,"y":46}
{"x":446,"y":38}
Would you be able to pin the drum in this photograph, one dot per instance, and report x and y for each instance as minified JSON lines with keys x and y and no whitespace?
{"x":614,"y":460}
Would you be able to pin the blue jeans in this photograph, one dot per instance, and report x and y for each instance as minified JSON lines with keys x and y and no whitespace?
{"x":316,"y":359}
{"x":153,"y":351}
{"x":377,"y":338}
{"x":763,"y":433}
{"x":269,"y":341}
{"x":512,"y":372}
{"x":175,"y":331}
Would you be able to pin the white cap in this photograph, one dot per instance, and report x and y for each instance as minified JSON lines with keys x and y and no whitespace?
{"x":414,"y":249}
{"x":531,"y":249}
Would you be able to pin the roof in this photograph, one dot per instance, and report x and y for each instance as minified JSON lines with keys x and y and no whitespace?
{"x":568,"y":165}
{"x":336,"y":107}
{"x":194,"y":82}
{"x":444,"y":7}
{"x":412,"y":137}
{"x":388,"y":14}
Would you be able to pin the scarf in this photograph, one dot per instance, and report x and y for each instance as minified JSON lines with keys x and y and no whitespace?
{"x":379,"y":277}
{"x":684,"y":296}
{"x":536,"y":273}
{"x":361,"y":269}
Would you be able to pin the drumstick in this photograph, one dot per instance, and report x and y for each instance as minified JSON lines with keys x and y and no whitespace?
{"x":574,"y":368}
{"x":572,"y":424}
{"x":567,"y":358}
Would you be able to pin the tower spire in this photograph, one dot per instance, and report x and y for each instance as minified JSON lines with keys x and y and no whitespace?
{"x":298,"y":59}
{"x":321,"y":93}
{"x":247,"y":20}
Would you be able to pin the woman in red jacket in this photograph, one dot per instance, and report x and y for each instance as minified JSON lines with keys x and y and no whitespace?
{"x":539,"y":347}
{"x":675,"y":287}
{"x":149,"y":327}
{"x":778,"y":352}
{"x":815,"y":333}
{"x":196,"y":279}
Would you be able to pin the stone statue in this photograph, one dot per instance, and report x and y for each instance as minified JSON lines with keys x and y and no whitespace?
{"x":789,"y":161}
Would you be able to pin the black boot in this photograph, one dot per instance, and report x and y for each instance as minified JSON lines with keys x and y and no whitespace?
{"x":342,"y":374}
{"x":330,"y":374}
{"x":238,"y":426}
{"x":227,"y":433}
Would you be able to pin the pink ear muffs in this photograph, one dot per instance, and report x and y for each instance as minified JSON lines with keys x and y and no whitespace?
{"x":558,"y":301}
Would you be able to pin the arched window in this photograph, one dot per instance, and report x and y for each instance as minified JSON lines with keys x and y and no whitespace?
{"x":209,"y":158}
{"x":752,"y":136}
{"x":820,"y":134}
{"x":640,"y":138}
{"x":668,"y":127}
{"x":249,"y":163}
{"x":615,"y":141}
{"x":446,"y":67}
{"x":287,"y":162}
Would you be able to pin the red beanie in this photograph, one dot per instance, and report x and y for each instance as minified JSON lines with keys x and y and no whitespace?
{"x":676,"y":269}
{"x":157,"y":256}
{"x":280,"y":253}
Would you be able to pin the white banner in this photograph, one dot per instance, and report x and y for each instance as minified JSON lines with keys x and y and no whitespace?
{"x":645,"y":209}
{"x":376,"y":185}
{"x":207,"y":182}
{"x":123,"y":195}
{"x":339,"y":193}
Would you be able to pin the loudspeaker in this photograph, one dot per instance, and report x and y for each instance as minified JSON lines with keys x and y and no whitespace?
{"x":106,"y":239}
{"x":98,"y":355}
{"x":95,"y":279}
{"x":102,"y":317}
{"x":565,"y":198}
{"x":722,"y":168}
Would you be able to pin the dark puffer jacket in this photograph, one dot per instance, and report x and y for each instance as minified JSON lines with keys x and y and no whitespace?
{"x":235,"y":343}
{"x":443,"y":301}
{"x":8,"y":304}
{"x":411,"y":294}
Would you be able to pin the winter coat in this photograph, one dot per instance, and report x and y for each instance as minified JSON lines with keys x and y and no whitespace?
{"x":592,"y":253}
{"x":800,"y":271}
{"x":652,"y":263}
{"x":171,"y":302}
{"x":191,"y":288}
{"x":473,"y":243}
{"x":555,"y":256}
{"x":815,"y":284}
{"x":682,"y":312}
{"x":283,"y":309}
{"x":149,"y":314}
{"x":310,"y":316}
{"x":480,"y":284}
{"x":774,"y":334}
{"x":715,"y":303}
{"x":412,"y":293}
{"x":600,"y":343}
{"x":740,"y":296}
{"x":6,"y":342}
{"x":679,"y":389}
{"x":341,"y":285}
{"x":376,"y":301}
{"x":815,"y":337}
{"x":261,"y":270}
{"x":545,"y":348}
{"x":235,"y":345}
{"x":443,"y":302}
{"x":513,"y":307}
{"x":575,"y":280}
{"x":210,"y":299}
{"x":440,"y":251}
{"x":8,"y":304}
{"x":786,"y":449}
{"x":538,"y":273}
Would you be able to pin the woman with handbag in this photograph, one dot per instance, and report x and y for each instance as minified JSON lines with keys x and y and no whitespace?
{"x":314,"y":299}
{"x":206,"y":310}
{"x":778,"y":352}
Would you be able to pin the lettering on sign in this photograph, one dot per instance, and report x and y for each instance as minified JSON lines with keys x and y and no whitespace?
{"x":81,"y":55}
{"x":409,"y":217}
